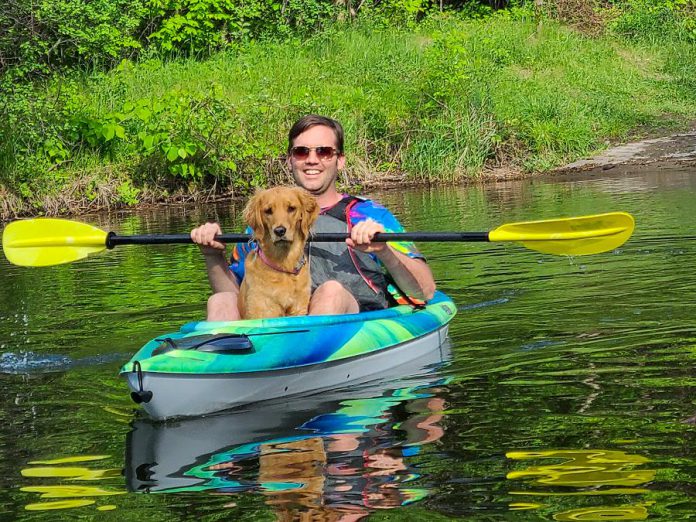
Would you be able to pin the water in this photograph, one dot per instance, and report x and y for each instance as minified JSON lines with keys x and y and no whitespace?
{"x":567,"y":395}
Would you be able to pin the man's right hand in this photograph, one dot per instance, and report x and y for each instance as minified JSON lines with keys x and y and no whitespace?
{"x":204,"y":237}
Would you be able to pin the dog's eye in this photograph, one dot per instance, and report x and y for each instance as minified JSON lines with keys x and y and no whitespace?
{"x":291,"y":209}
{"x":268,"y":211}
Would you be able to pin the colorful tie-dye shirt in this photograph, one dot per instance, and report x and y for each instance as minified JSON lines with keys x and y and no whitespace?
{"x":361,"y":211}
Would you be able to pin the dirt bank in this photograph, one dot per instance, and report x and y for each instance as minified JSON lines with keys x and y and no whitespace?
{"x":674,"y":151}
{"x":670,"y":150}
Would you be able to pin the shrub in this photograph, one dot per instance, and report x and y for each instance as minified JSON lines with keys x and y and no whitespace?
{"x":655,"y":20}
{"x":196,"y":27}
{"x":39,"y":37}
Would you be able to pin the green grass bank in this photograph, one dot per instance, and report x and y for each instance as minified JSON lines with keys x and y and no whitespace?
{"x":444,"y":101}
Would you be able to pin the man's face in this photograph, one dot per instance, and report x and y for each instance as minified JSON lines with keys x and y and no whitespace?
{"x":316,"y":175}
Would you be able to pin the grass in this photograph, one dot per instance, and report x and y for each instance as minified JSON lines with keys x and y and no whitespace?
{"x":440,"y":103}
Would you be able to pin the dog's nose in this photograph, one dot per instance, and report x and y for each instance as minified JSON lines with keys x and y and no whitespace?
{"x":279,"y":231}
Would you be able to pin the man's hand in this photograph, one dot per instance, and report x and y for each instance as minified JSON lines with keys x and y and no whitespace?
{"x":361,"y":236}
{"x":204,"y":237}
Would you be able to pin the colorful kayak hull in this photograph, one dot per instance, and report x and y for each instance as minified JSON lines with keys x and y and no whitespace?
{"x":279,"y":357}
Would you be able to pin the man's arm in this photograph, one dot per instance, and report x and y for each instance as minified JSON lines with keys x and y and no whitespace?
{"x":219,"y":275}
{"x":412,"y":275}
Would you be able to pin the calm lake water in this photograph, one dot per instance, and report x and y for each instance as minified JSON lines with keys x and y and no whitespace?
{"x":564,"y":395}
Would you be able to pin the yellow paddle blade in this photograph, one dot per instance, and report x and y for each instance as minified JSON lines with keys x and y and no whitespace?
{"x":46,"y":242}
{"x":576,"y":236}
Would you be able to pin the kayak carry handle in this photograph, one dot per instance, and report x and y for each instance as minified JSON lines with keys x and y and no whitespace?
{"x":141,"y":395}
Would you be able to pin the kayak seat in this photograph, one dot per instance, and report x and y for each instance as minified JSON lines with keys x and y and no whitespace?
{"x":220,"y":343}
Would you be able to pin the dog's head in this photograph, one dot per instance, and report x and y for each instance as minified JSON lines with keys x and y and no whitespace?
{"x":281,"y":214}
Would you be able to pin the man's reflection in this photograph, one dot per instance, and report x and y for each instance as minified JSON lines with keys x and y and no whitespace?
{"x":346,"y":475}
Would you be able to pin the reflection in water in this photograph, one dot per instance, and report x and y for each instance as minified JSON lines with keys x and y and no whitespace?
{"x":318,"y":456}
{"x":583,"y":468}
{"x":638,"y":512}
{"x":594,"y":472}
{"x":72,"y":496}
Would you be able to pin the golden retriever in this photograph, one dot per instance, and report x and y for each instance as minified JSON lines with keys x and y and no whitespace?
{"x":276,"y":275}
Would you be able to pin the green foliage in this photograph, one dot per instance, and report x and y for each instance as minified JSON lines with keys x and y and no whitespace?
{"x":303,"y":17}
{"x":201,"y":25}
{"x":35,"y":133}
{"x":554,"y":94}
{"x":127,"y":193}
{"x":398,"y":12}
{"x":655,"y":20}
{"x":450,"y":75}
{"x":437,"y":102}
{"x":39,"y":37}
{"x":169,"y":131}
{"x":183,"y":136}
{"x":453,"y":146}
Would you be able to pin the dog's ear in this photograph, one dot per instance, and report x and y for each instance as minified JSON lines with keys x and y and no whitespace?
{"x":252,"y":214}
{"x":310,"y":211}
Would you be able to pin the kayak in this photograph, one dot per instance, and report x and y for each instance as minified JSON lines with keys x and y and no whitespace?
{"x":207,"y":367}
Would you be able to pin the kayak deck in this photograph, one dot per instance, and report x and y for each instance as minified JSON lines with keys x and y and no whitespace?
{"x":261,"y":345}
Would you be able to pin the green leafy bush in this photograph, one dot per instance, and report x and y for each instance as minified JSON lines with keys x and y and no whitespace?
{"x":181,"y":137}
{"x":35,"y":133}
{"x":202,"y":26}
{"x":39,"y":37}
{"x":650,"y":19}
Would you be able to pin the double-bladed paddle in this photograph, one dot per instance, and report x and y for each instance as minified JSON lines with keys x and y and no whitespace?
{"x":47,"y":241}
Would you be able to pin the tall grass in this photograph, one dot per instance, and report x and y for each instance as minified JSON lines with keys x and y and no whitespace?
{"x":440,"y":103}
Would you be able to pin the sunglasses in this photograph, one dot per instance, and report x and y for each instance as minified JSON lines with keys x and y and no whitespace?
{"x":323,"y":153}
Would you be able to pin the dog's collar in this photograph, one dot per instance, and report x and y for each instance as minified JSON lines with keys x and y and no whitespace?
{"x":277,"y":268}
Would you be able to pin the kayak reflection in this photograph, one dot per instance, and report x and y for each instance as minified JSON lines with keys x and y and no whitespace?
{"x":343,"y":453}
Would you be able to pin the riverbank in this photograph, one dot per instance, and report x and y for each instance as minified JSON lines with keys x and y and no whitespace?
{"x":674,"y":151}
{"x":451,"y":101}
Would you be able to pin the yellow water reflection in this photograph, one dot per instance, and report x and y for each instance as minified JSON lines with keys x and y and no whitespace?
{"x":58,"y":504}
{"x":521,"y":506}
{"x":70,"y":460}
{"x":71,"y":473}
{"x":583,"y":468}
{"x":604,"y":513}
{"x":72,"y":495}
{"x":593,"y":473}
{"x":69,"y":491}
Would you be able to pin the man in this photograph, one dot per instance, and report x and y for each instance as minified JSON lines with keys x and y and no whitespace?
{"x":346,"y":278}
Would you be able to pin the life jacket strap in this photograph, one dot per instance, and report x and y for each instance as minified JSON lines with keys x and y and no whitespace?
{"x":341,"y":211}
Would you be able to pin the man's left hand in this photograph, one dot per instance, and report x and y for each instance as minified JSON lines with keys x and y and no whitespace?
{"x":361,"y":236}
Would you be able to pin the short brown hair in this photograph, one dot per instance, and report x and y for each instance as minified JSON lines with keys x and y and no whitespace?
{"x":312,"y":120}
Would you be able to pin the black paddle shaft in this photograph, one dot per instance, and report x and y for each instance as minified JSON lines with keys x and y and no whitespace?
{"x":113,"y":240}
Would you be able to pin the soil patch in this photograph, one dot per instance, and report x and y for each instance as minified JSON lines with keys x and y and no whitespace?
{"x":674,"y":149}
